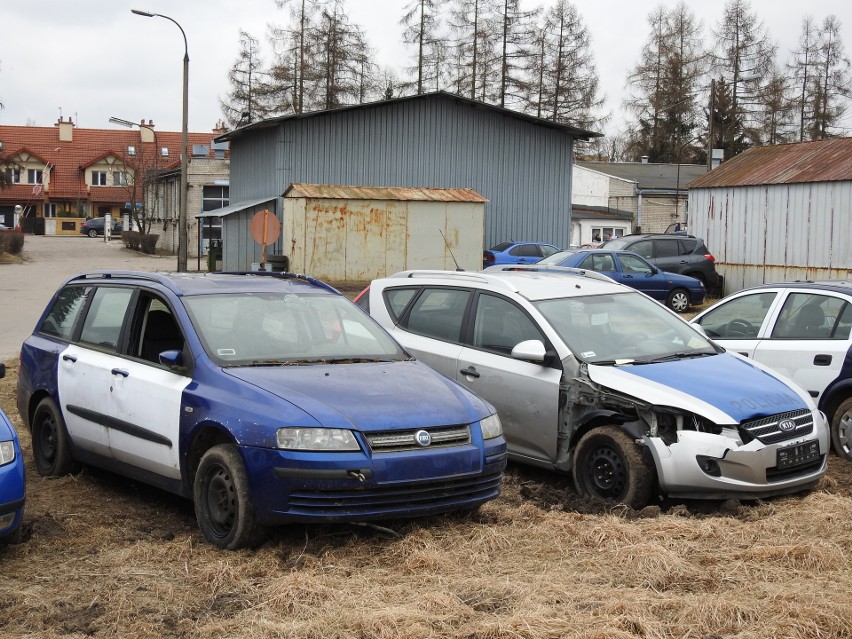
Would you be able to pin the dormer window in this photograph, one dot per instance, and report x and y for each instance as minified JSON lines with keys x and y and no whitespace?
{"x":131,"y":150}
{"x":35,"y":176}
{"x":164,"y":151}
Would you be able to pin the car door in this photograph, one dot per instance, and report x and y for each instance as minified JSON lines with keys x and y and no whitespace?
{"x":430,"y":325}
{"x":86,"y":370}
{"x":740,"y":323}
{"x":602,"y":263}
{"x":525,"y":394}
{"x":808,"y":340}
{"x":147,"y":395}
{"x":642,"y":276}
{"x":525,"y":254}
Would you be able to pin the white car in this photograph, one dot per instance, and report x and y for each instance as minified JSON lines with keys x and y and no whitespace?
{"x":801,"y":330}
{"x":595,"y":378}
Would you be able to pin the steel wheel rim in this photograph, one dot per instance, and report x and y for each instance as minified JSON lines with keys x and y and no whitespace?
{"x":47,"y":440}
{"x":606,"y":473}
{"x":844,"y":431}
{"x":221,"y":501}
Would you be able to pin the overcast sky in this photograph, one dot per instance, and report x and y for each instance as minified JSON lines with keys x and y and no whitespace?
{"x":92,"y":59}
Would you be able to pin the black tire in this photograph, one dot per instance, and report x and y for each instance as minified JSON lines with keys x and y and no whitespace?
{"x":92,"y":233}
{"x":678,"y":300}
{"x":223,"y":503}
{"x":608,"y":464}
{"x":51,"y":449}
{"x":841,"y":430}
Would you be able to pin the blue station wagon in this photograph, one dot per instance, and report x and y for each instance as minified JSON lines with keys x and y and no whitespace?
{"x":267,"y":398}
{"x":12,"y":482}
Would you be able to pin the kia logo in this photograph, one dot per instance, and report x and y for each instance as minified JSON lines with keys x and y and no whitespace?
{"x":787,"y":425}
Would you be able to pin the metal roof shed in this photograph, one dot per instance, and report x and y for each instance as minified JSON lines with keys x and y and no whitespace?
{"x":777,"y":213}
{"x":358,"y":233}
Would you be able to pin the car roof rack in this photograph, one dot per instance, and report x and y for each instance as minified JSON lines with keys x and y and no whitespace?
{"x":485,"y":276}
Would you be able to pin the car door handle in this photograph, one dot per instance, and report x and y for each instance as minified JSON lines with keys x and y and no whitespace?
{"x":118,"y":371}
{"x":744,"y":354}
{"x":69,"y":358}
{"x":470,"y":371}
{"x":822,"y":360}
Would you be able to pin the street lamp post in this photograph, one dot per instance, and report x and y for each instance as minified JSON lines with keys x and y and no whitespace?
{"x":183,"y":240}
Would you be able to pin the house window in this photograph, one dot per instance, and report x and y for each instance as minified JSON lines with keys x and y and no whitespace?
{"x":119,"y":178}
{"x":131,"y":150}
{"x":99,"y":178}
{"x":164,"y":151}
{"x":213,"y":197}
{"x":35,"y":176}
{"x":50,"y":210}
{"x":14,"y":175}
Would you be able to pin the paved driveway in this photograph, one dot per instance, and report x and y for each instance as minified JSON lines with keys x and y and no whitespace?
{"x":26,"y":287}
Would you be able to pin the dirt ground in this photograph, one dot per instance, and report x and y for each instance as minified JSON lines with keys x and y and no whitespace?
{"x":107,"y":557}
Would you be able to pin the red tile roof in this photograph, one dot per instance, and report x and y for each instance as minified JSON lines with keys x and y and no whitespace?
{"x":67,"y":161}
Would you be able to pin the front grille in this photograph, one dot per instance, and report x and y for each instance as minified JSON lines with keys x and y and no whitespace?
{"x":408,"y":499}
{"x":767,"y":431}
{"x":394,"y":440}
{"x":775,"y":475}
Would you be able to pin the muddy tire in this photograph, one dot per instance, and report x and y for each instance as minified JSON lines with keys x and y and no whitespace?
{"x":223,"y":503}
{"x":608,"y":464}
{"x":51,"y":449}
{"x":678,"y":300}
{"x":841,"y":430}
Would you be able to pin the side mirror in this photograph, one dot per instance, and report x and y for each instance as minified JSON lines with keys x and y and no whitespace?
{"x":532,"y":350}
{"x":172,"y":359}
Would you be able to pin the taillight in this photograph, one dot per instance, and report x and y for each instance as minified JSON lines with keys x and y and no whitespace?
{"x":488,"y":257}
{"x":710,"y":257}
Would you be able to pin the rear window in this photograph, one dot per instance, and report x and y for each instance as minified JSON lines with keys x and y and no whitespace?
{"x":499,"y":248}
{"x":63,"y":315}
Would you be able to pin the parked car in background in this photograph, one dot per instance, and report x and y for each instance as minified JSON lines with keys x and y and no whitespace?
{"x":594,"y":378}
{"x":802,"y":330}
{"x":12,"y":493}
{"x":3,"y":227}
{"x":95,"y":227}
{"x":674,"y":253}
{"x":677,"y":292}
{"x":267,"y":398}
{"x":516,"y":253}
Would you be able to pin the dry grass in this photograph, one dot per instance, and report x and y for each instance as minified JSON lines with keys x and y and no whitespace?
{"x":112,"y":558}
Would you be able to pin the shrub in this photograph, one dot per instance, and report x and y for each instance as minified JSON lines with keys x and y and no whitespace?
{"x":11,"y":242}
{"x":137,"y":241}
{"x":149,"y":243}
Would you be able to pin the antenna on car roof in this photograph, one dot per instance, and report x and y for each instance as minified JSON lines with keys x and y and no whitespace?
{"x":447,"y":244}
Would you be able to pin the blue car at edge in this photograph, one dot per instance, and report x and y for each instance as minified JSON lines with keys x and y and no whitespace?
{"x":266,"y":398}
{"x":12,"y":482}
{"x":678,"y":292}
{"x":517,"y":253}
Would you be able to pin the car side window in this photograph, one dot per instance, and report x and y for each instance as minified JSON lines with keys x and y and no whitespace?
{"x":740,"y":318}
{"x":547,"y":251}
{"x":439,"y":313}
{"x":844,"y":323}
{"x":63,"y":315}
{"x":632,"y":264}
{"x":397,"y":300}
{"x":500,"y":325}
{"x":525,"y":250}
{"x":666,"y":248}
{"x":157,"y":332}
{"x":808,"y":316}
{"x":102,"y":326}
{"x":687,"y":246}
{"x":600,"y":263}
{"x":644,"y":248}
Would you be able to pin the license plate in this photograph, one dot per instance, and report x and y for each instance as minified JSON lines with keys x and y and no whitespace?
{"x":799,"y":454}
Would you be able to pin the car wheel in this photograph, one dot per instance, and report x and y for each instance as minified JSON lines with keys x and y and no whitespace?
{"x":51,"y":450}
{"x":678,"y":300}
{"x":608,"y":464}
{"x":223,"y":503}
{"x":92,"y":233}
{"x":841,"y":430}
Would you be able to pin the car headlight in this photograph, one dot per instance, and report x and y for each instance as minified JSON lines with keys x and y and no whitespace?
{"x":491,"y":427}
{"x":7,"y":453}
{"x":316,"y":439}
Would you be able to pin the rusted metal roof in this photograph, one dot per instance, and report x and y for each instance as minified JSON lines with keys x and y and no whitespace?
{"x":823,"y":161}
{"x":337,"y":192}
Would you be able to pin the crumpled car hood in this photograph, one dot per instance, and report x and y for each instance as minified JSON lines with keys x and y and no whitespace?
{"x":369,"y":396}
{"x":723,"y":388}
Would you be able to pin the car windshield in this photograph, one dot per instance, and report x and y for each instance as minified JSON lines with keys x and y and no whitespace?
{"x":270,"y":329}
{"x":623,"y":328}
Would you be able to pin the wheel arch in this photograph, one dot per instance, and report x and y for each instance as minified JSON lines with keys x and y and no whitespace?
{"x":834,"y":396}
{"x":205,"y":436}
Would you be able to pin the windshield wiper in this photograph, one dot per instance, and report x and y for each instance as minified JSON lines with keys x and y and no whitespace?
{"x":671,"y":357}
{"x":614,"y":362}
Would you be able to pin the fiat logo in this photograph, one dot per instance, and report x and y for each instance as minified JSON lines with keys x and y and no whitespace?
{"x":423,"y":438}
{"x":787,"y":425}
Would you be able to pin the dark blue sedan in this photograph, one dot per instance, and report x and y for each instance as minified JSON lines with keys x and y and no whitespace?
{"x":678,"y":292}
{"x":517,"y":253}
{"x":11,"y":479}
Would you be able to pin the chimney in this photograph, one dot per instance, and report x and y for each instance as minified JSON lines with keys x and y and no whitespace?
{"x":644,"y":159}
{"x":146,"y":131}
{"x":66,"y":129}
{"x":221,"y":128}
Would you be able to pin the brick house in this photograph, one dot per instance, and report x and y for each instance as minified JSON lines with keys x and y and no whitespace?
{"x":60,"y":175}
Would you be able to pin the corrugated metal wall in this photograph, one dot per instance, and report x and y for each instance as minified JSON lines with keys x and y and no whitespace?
{"x":772,"y":233}
{"x":523,"y":169}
